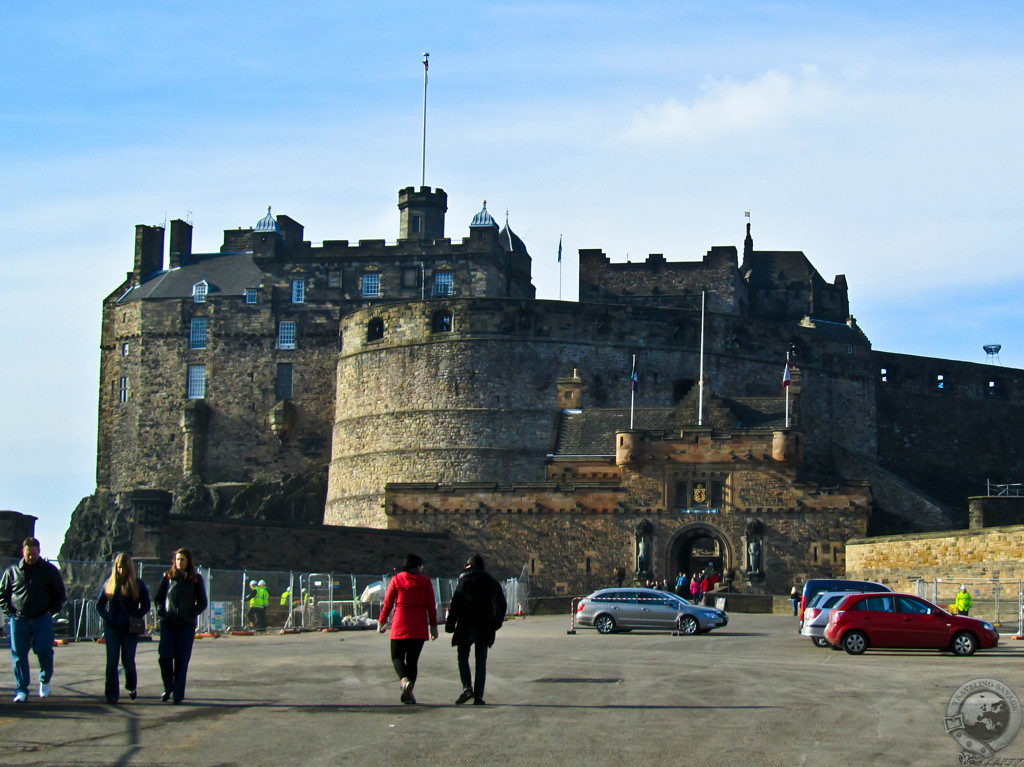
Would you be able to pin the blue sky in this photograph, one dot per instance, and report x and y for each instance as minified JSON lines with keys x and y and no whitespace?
{"x":882,"y":139}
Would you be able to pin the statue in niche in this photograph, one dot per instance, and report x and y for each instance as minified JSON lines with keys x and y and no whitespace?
{"x":754,"y":555}
{"x":644,"y":530}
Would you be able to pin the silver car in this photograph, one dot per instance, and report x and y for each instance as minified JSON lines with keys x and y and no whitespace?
{"x":816,"y":615}
{"x":625,"y":609}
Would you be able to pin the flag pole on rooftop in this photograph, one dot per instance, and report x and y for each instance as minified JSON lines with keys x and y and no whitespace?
{"x":423,"y":154}
{"x":559,"y":267}
{"x":786,"y":380}
{"x":700,"y":382}
{"x":632,"y":392}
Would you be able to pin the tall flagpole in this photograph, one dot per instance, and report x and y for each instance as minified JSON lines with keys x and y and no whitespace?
{"x":700,"y":383}
{"x":785,"y":384}
{"x":632,"y":392}
{"x":423,"y":154}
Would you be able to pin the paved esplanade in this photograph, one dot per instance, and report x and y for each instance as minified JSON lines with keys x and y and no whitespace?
{"x":754,"y":693}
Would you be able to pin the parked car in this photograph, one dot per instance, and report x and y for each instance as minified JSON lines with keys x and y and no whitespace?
{"x":861,"y":621}
{"x":816,"y":615}
{"x":625,"y":609}
{"x":816,"y":586}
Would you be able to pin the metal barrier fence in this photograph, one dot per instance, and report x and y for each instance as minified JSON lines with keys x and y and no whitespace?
{"x":299,"y":600}
{"x":994,"y":600}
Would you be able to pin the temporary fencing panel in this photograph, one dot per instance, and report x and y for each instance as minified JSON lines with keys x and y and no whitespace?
{"x":995,"y":600}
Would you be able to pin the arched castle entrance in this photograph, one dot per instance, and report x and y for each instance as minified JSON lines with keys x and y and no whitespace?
{"x":695,"y":547}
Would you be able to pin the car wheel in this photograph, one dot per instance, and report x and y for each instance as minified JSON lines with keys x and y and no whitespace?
{"x":688,"y":625}
{"x":855,"y":643}
{"x":819,"y":641}
{"x":964,"y":643}
{"x":605,"y":624}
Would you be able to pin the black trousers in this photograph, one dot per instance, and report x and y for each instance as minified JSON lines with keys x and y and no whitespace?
{"x":121,"y":644}
{"x":174,"y":652}
{"x":405,"y":655}
{"x":480,"y":656}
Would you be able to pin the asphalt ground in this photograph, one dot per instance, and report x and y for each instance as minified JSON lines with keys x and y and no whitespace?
{"x":754,"y":693}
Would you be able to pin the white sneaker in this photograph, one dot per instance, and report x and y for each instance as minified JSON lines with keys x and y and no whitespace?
{"x":44,"y":690}
{"x":20,"y":697}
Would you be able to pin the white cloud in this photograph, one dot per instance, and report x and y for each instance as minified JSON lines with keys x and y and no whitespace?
{"x":771,"y":100}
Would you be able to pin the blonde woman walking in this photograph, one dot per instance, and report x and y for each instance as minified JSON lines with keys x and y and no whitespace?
{"x":123,"y":603}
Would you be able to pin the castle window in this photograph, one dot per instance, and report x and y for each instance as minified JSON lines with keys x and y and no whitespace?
{"x":124,"y":349}
{"x":441,"y":322}
{"x":199,"y":291}
{"x":849,"y":348}
{"x":940,"y":382}
{"x":443,"y":284}
{"x":371,"y":286}
{"x":417,"y":224}
{"x":252,"y":296}
{"x":298,"y":291}
{"x":197,"y":333}
{"x":286,"y":334}
{"x":334,"y":279}
{"x":122,"y":389}
{"x":196,"y":381}
{"x":884,"y":375}
{"x":375,"y":329}
{"x":284,"y":380}
{"x":993,"y":387}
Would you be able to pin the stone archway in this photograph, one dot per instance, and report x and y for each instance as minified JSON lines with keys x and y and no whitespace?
{"x":696,"y":546}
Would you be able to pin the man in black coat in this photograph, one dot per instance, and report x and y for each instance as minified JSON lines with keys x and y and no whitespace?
{"x":477,"y":611}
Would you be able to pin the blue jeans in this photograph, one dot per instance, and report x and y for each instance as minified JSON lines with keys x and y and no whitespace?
{"x":174,"y":651}
{"x":121,"y":644}
{"x":35,"y":634}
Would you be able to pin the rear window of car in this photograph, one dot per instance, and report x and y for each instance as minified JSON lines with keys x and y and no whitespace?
{"x":831,"y":600}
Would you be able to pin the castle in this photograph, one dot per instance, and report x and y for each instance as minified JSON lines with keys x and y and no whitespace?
{"x":420,"y":387}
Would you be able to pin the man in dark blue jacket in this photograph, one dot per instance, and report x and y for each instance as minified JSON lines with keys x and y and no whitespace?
{"x":31,"y":591}
{"x":476,"y":612}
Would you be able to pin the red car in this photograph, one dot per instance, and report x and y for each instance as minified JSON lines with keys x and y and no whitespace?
{"x":905,"y":621}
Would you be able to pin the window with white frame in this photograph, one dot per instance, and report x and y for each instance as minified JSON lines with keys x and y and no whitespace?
{"x":286,"y":334}
{"x":298,"y":291}
{"x":122,"y":389}
{"x":252,"y":296}
{"x":124,"y":349}
{"x":199,"y":291}
{"x":443,"y":283}
{"x":371,"y":285}
{"x":196,"y":381}
{"x":197,"y":333}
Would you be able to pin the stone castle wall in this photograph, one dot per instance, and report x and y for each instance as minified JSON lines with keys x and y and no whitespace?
{"x":952,"y":439}
{"x":478,"y":402}
{"x":952,"y":555}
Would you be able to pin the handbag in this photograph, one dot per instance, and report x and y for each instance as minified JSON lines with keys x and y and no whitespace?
{"x":137,"y":625}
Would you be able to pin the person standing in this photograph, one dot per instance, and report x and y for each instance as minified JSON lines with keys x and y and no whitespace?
{"x":963,"y":601}
{"x":263,"y":602}
{"x":411,"y":595}
{"x":254,"y":605}
{"x":476,"y":612}
{"x":180,"y":599}
{"x":123,"y":601}
{"x":683,"y":585}
{"x":794,"y":597}
{"x":31,"y":592}
{"x":695,"y":594}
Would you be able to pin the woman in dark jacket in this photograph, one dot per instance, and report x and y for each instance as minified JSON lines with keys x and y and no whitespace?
{"x":122,"y":598}
{"x":180,"y":599}
{"x":477,"y":611}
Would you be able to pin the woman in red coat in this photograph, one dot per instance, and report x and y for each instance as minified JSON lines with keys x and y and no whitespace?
{"x":411,"y":595}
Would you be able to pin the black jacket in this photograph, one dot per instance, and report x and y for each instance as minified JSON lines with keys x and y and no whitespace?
{"x":30,"y":592}
{"x":181,"y":600}
{"x":119,"y":609}
{"x":477,"y":609}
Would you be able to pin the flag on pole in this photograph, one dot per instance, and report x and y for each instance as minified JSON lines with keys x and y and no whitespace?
{"x":786,"y":380}
{"x":633,"y":379}
{"x":559,"y":248}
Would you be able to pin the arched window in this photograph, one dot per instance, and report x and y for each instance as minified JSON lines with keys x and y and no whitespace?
{"x":441,"y":322}
{"x":375,"y":329}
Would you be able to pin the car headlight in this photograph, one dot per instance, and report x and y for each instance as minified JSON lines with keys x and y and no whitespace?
{"x":988,"y":625}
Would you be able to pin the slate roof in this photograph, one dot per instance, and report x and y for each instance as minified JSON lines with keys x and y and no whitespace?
{"x":510,"y":240}
{"x":483,"y":218}
{"x":225,"y":273}
{"x":591,"y":431}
